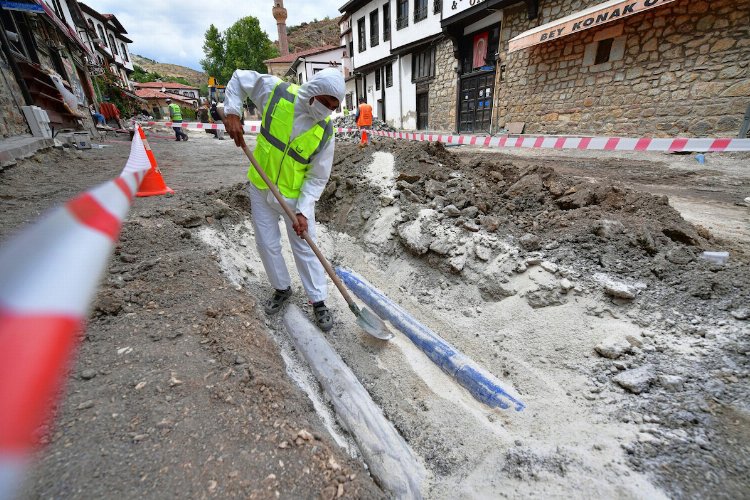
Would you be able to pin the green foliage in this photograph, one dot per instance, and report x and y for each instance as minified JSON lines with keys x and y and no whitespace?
{"x":188,"y":114}
{"x":214,"y":47}
{"x":140,"y":75}
{"x":244,"y":45}
{"x":203,"y":90}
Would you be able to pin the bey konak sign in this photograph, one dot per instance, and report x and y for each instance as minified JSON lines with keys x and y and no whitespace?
{"x":589,"y":18}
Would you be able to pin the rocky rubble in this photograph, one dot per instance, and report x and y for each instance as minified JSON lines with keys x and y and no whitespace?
{"x":350,"y":122}
{"x":486,"y":219}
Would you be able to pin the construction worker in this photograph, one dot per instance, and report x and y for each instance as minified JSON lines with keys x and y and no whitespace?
{"x":295,"y":148}
{"x":364,"y":120}
{"x":175,"y":114}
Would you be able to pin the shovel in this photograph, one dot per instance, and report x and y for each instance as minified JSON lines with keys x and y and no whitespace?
{"x":368,"y":320}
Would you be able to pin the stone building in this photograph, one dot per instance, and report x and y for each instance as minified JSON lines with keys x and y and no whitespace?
{"x":679,"y":68}
{"x":636,"y":67}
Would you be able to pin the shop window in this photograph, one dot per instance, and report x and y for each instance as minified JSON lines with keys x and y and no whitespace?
{"x":361,"y":35}
{"x":402,"y":14}
{"x":374,"y":29}
{"x":603,"y":51}
{"x":386,"y":22}
{"x":377,"y":79}
{"x":423,"y":65}
{"x":420,"y":10}
{"x":389,"y":75}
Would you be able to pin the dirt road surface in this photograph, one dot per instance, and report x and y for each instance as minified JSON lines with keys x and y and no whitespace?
{"x":576,"y":278}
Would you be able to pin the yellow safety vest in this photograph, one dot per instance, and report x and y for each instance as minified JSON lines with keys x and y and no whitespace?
{"x":286,"y":162}
{"x":176,"y":112}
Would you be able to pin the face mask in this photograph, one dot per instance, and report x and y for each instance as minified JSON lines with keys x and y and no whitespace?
{"x":318,"y":111}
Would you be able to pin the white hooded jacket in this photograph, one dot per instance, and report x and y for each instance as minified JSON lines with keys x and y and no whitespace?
{"x":258,"y":87}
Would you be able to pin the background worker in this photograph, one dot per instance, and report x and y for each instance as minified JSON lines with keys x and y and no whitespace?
{"x":364,"y":120}
{"x":175,"y":114}
{"x":295,"y":148}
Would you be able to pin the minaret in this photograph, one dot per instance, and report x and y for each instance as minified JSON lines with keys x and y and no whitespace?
{"x":279,"y":13}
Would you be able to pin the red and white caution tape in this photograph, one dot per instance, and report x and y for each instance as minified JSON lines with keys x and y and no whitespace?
{"x":700,"y":144}
{"x":48,"y":277}
{"x":566,"y":142}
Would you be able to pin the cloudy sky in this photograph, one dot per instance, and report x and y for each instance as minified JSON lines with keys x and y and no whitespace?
{"x":172,"y":31}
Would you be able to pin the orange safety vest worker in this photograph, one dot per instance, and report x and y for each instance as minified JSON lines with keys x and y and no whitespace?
{"x":365,"y":115}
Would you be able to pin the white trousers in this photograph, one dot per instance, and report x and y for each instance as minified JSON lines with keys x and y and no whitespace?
{"x":265,"y":215}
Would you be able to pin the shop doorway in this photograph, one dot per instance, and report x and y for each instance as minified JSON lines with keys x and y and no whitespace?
{"x":475,"y":103}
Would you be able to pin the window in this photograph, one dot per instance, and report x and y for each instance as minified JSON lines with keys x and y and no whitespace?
{"x":389,"y":75}
{"x":102,"y":36}
{"x":374,"y":30}
{"x":377,"y":78}
{"x":603,"y":51}
{"x":124,"y":52}
{"x":437,"y":6}
{"x":13,"y":22}
{"x":423,"y":65}
{"x":402,"y":14}
{"x":112,"y":44}
{"x":420,"y":10}
{"x":361,"y":35}
{"x":386,"y":22}
{"x":58,"y":9}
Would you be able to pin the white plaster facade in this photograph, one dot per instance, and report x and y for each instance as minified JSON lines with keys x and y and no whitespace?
{"x":106,"y":38}
{"x":396,"y":103}
{"x":303,"y":68}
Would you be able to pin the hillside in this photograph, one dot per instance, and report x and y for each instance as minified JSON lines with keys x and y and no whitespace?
{"x":313,"y":34}
{"x":196,"y":78}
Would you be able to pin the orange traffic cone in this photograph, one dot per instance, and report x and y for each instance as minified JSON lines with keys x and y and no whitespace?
{"x":153,"y":184}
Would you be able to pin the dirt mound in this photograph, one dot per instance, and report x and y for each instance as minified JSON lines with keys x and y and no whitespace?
{"x":480,"y":220}
{"x":605,"y":227}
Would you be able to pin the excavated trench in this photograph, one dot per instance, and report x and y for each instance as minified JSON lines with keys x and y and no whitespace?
{"x":589,"y":300}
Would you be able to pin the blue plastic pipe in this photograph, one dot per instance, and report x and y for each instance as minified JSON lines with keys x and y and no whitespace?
{"x":479,"y":382}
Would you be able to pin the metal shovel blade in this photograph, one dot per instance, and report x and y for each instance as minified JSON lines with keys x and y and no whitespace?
{"x":372,"y":324}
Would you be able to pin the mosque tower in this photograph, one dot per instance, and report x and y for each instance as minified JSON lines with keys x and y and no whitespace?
{"x":279,"y":13}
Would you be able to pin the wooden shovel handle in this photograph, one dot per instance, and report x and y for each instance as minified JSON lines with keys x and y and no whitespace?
{"x":305,"y":236}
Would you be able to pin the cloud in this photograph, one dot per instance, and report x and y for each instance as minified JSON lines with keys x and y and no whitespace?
{"x":172,"y":32}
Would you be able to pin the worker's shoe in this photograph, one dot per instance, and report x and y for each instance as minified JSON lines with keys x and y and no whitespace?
{"x":323,"y":316}
{"x":273,"y":305}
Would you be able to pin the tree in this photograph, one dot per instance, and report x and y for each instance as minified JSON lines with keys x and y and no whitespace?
{"x":214,"y":48}
{"x":244,"y":45}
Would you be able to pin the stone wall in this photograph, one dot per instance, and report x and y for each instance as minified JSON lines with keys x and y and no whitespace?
{"x":679,"y":69}
{"x":442,"y":93}
{"x":12,"y":121}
